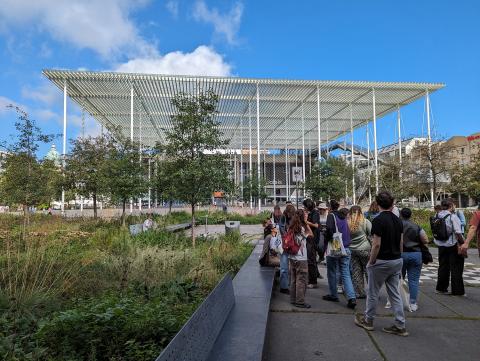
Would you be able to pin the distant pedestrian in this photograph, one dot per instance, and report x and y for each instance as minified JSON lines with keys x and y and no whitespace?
{"x":298,"y":263}
{"x":448,"y":236}
{"x":413,"y":239}
{"x":337,"y":223}
{"x":148,"y":223}
{"x":323,"y":212}
{"x":276,"y":215}
{"x":385,"y":266}
{"x":461,"y":216}
{"x":473,"y":230}
{"x":360,"y":229}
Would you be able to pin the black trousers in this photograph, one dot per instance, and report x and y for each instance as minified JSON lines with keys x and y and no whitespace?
{"x":312,"y":261}
{"x":450,"y":266}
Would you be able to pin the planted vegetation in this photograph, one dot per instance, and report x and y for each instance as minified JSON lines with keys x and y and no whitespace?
{"x":87,"y":290}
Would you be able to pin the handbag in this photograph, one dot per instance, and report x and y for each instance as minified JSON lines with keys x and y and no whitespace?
{"x":335,"y":246}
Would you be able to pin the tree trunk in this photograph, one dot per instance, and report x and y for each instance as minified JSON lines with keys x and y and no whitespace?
{"x":193,"y":225}
{"x":25,"y":221}
{"x":170,"y":202}
{"x":123,"y":212}
{"x":94,"y":195}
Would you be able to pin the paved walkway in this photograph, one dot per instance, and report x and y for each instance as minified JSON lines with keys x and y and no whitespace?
{"x":444,"y":328}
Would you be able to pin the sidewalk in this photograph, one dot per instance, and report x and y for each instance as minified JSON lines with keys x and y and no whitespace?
{"x":444,"y":328}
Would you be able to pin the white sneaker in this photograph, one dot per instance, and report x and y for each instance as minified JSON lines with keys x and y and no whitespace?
{"x":339,"y":289}
{"x":413,"y":307}
{"x":388,"y":304}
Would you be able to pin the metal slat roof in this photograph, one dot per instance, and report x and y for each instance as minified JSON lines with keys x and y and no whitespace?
{"x":106,"y":96}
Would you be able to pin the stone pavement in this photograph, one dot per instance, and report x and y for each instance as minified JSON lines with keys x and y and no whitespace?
{"x":443,"y":328}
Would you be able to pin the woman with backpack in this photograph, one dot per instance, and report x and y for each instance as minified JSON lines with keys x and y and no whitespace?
{"x":285,"y":222}
{"x":413,"y":239}
{"x":295,"y":244}
{"x":360,"y":246}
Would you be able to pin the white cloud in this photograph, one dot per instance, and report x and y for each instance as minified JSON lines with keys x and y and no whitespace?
{"x":202,"y":61}
{"x":226,"y":25}
{"x":172,"y":7}
{"x":46,"y":93}
{"x":103,"y":26}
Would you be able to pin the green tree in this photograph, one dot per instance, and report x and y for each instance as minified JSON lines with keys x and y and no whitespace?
{"x":125,"y":178}
{"x":24,"y":180}
{"x":327,"y":179}
{"x":164,"y":182}
{"x":193,"y":146}
{"x":86,"y":167}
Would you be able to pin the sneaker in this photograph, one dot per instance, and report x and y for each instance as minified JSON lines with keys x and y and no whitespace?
{"x":352,"y":303}
{"x":339,"y":290}
{"x":395,"y":330}
{"x":413,"y":307}
{"x":438,"y":292}
{"x":312,"y":285}
{"x":360,"y":321}
{"x":388,"y":304}
{"x":285,"y":290}
{"x":330,"y":298}
{"x":302,"y":305}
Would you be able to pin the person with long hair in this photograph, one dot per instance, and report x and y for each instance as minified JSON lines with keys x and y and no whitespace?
{"x":373,"y":211}
{"x":285,"y":221}
{"x":298,"y":263}
{"x":360,"y":229}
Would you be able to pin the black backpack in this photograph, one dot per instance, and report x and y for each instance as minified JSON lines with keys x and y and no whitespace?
{"x":439,"y":227}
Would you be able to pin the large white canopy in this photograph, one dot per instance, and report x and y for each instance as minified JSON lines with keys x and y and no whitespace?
{"x":282,"y":104}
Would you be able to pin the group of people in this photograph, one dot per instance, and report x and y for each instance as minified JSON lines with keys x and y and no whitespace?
{"x":363,"y":252}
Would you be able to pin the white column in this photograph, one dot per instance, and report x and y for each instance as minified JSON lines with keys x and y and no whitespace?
{"x":258,"y":148}
{"x":140,"y":156}
{"x":131,"y":134}
{"x":368,"y":165}
{"x":328,"y":139}
{"x":250,"y":152}
{"x":345,"y":159}
{"x":354,"y":198}
{"x":64,"y":148}
{"x":274,"y":182}
{"x":318,"y":126}
{"x":429,"y":142}
{"x":81,"y":205}
{"x":375,"y":140}
{"x":303,"y":151}
{"x":241,"y":158}
{"x":287,"y":164}
{"x":149,"y":185}
{"x":399,"y":141}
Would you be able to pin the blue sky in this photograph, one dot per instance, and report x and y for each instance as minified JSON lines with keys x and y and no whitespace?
{"x":431,"y":41}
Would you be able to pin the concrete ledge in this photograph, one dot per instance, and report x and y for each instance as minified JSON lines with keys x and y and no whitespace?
{"x":243,"y":334}
{"x":195,"y":339}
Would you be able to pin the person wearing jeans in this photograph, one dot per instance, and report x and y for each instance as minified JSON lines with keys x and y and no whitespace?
{"x":285,"y":221}
{"x":413,"y":238}
{"x":337,"y":223}
{"x":385,"y":266}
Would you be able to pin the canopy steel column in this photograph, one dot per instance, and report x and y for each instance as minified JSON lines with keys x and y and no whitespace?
{"x":303,"y":152}
{"x":250,"y":153}
{"x":368,"y":166}
{"x":375,"y":139}
{"x":399,"y":141}
{"x":354,"y":198}
{"x":140,"y":155}
{"x":429,"y":142}
{"x":287,"y":167}
{"x":258,"y":149}
{"x":149,"y":186}
{"x":274,"y":182}
{"x":131,"y":134}
{"x":318,"y":125}
{"x":328,"y":146}
{"x":64,"y":147}
{"x":241,"y":159}
{"x":345,"y":159}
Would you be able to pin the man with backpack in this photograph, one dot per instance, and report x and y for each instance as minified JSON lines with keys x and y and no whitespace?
{"x":473,"y":230}
{"x":448,"y":236}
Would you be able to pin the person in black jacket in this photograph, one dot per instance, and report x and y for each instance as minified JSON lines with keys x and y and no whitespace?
{"x":313,"y":221}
